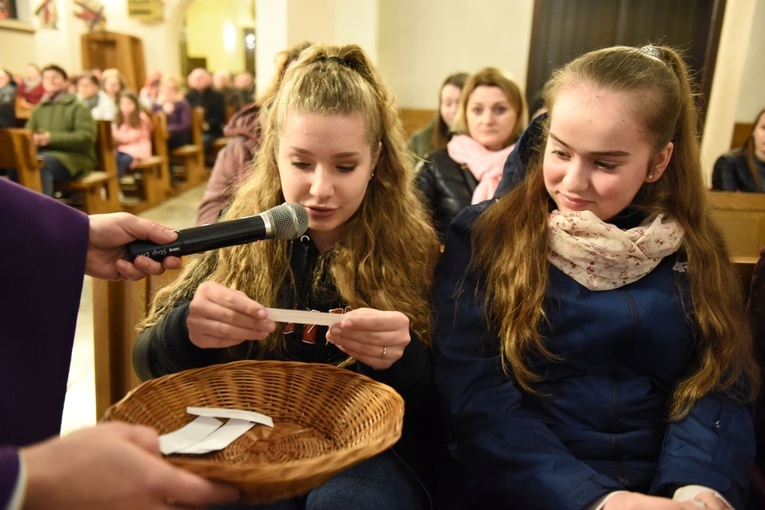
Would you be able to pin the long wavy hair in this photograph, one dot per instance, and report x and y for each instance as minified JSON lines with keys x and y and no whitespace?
{"x":387,"y":255}
{"x":658,"y":81}
{"x":749,"y":151}
{"x":442,"y":132}
{"x":493,"y":77}
{"x":134,"y":120}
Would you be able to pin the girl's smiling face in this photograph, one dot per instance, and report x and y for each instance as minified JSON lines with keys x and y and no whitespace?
{"x":598,"y":155}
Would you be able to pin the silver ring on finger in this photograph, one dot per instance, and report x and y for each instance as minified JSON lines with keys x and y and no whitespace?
{"x":384,"y":352}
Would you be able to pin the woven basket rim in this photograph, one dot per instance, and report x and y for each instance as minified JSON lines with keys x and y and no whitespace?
{"x":304,"y":472}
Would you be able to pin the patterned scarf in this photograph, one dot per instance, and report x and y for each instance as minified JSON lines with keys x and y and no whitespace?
{"x":601,"y":256}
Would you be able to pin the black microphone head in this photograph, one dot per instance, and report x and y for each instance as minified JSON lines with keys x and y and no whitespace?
{"x":288,"y":221}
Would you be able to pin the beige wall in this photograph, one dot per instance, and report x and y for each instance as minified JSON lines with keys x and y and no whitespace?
{"x":423,"y":41}
{"x":726,"y":94}
{"x":752,"y":93}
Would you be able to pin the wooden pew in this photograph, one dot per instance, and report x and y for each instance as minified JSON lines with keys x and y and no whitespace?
{"x":221,"y":142}
{"x":17,"y":151}
{"x":159,"y":148}
{"x":100,"y":188}
{"x":415,"y":119}
{"x":740,"y":134}
{"x":117,"y":309}
{"x":191,"y":170}
{"x":745,"y":268}
{"x":742,"y":219}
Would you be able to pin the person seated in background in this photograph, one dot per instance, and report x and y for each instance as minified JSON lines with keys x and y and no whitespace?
{"x":131,"y":131}
{"x":233,"y":162}
{"x":221,"y":82}
{"x":7,"y":99}
{"x":591,"y":348}
{"x":63,"y":131}
{"x":30,"y":90}
{"x":438,"y":131}
{"x":743,"y":169}
{"x":112,"y":82}
{"x":202,"y":94}
{"x":491,"y":116}
{"x":150,"y":90}
{"x":244,"y":83}
{"x":101,"y":105}
{"x":333,"y":143}
{"x":172,"y":103}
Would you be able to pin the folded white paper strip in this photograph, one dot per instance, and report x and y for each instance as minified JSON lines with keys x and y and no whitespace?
{"x":304,"y":316}
{"x":207,"y":434}
{"x":239,"y":414}
{"x":221,"y":438}
{"x":188,"y":435}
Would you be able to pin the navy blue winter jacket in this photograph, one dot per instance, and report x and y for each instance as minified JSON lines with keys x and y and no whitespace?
{"x":601,"y":423}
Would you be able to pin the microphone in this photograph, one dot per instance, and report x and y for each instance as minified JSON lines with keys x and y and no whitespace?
{"x":286,"y":221}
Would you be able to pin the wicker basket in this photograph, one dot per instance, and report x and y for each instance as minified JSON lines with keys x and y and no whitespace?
{"x":326,"y":419}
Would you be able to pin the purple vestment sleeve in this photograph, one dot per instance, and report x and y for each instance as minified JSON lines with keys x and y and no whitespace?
{"x":43,"y":244}
{"x":9,"y":473}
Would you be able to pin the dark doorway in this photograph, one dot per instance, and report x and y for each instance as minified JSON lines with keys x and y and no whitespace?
{"x":564,"y":29}
{"x":249,"y":50}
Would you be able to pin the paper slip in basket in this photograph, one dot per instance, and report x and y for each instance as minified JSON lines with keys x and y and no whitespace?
{"x":237,"y":414}
{"x":221,"y":438}
{"x":304,"y":317}
{"x":207,"y":434}
{"x":188,"y":435}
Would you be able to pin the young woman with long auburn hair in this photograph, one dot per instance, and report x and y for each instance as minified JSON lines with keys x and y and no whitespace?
{"x":591,"y":346}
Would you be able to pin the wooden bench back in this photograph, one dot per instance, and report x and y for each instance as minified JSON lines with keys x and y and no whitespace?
{"x":117,"y":308}
{"x":19,"y":152}
{"x":740,"y":134}
{"x":415,"y":119}
{"x":197,"y":126}
{"x":107,"y":162}
{"x":742,"y":219}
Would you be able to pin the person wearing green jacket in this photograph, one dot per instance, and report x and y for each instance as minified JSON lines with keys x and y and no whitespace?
{"x":63,"y":131}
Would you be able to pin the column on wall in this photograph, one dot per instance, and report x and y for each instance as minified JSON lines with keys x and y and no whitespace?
{"x":726,"y":87}
{"x":282,"y":23}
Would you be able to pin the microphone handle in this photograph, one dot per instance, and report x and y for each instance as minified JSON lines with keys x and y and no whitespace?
{"x":204,"y":238}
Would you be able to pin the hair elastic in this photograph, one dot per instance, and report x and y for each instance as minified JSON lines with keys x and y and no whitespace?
{"x":652,"y":51}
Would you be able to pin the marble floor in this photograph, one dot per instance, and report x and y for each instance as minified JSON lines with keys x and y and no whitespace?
{"x":80,"y":405}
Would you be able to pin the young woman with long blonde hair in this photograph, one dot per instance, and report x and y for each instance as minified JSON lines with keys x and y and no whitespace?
{"x":333,"y":143}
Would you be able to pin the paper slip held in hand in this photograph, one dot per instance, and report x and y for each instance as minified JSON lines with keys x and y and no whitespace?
{"x":208,"y":434}
{"x":304,"y":317}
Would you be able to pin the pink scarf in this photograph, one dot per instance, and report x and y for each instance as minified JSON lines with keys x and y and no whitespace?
{"x":485,"y":165}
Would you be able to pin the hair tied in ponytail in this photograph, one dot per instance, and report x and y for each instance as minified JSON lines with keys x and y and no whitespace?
{"x":343,"y":62}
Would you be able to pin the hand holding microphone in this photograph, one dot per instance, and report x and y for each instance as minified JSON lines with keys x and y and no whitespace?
{"x":286,"y":221}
